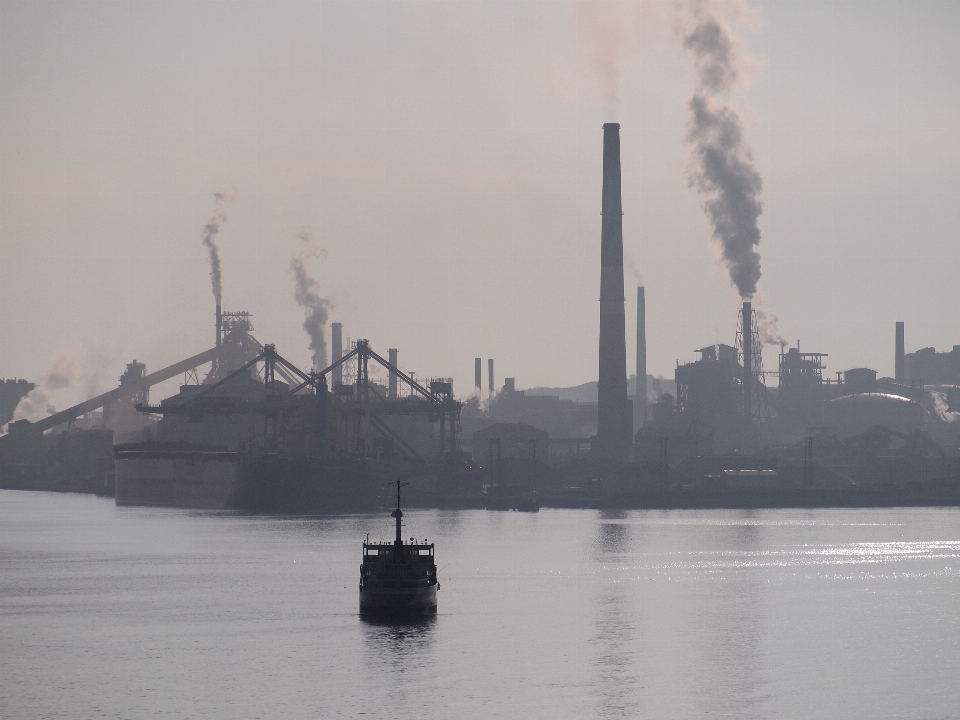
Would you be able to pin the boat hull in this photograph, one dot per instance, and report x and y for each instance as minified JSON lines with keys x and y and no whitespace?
{"x":406,"y":602}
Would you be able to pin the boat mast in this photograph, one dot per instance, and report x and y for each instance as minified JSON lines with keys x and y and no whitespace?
{"x":398,"y":513}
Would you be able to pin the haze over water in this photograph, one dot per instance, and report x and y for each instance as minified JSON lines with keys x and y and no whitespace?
{"x":132,"y":612}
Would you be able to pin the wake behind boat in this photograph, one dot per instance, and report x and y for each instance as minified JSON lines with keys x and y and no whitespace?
{"x":398,"y":579}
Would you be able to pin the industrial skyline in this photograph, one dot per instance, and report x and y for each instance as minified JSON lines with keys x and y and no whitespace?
{"x":120,"y":125}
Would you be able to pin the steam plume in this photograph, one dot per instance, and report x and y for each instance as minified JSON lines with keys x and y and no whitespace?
{"x":38,"y":403}
{"x":316,"y":308}
{"x":209,"y":239}
{"x":942,"y":408}
{"x":768,"y":323}
{"x":722,"y":160}
{"x":606,"y":30}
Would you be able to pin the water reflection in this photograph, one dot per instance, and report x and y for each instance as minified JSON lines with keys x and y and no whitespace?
{"x":726,"y":614}
{"x":615,"y":636}
{"x":399,"y":645}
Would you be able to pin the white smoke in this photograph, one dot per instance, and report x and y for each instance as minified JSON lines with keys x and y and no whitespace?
{"x":942,"y":408}
{"x":768,"y":324}
{"x":62,"y":375}
{"x":631,"y":265}
{"x":74,"y":376}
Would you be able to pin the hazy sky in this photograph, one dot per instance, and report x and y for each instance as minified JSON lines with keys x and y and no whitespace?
{"x":447,"y":158}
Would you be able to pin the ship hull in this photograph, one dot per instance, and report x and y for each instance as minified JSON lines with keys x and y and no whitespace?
{"x":389,"y":602}
{"x":236,"y":481}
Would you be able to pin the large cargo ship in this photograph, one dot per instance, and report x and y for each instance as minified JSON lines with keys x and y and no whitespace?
{"x":398,"y":579}
{"x":248,"y":482}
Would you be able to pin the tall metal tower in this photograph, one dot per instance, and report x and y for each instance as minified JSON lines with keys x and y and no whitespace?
{"x":750,"y":356}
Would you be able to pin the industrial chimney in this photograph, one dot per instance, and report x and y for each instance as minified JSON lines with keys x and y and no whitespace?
{"x":219,"y":322}
{"x":614,"y":415}
{"x":477,"y":366}
{"x":336,"y":352}
{"x":747,"y":321}
{"x":900,"y":365}
{"x":490,"y":377}
{"x":392,"y":382}
{"x":640,"y":399}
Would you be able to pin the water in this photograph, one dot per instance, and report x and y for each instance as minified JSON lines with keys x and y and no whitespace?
{"x":134,"y":612}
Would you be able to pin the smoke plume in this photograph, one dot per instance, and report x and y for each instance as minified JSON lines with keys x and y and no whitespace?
{"x":315,"y":308}
{"x":209,"y":239}
{"x":606,"y":29}
{"x":722,"y":168}
{"x":942,"y":408}
{"x":631,"y":265}
{"x":768,"y":324}
{"x":39,"y":402}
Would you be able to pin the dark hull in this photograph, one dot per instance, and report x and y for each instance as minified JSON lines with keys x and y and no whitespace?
{"x":398,"y":603}
{"x":305,"y":487}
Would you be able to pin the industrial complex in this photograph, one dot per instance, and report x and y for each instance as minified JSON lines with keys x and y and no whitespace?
{"x":251,"y":431}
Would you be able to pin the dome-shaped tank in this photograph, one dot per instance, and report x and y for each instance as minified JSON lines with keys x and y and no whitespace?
{"x":853,"y":414}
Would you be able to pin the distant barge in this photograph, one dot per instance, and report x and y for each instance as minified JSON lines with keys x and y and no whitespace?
{"x":398,"y":579}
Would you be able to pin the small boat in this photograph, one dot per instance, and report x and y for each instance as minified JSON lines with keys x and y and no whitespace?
{"x":398,"y":579}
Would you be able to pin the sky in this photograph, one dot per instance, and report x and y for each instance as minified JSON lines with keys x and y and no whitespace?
{"x":444,"y":158}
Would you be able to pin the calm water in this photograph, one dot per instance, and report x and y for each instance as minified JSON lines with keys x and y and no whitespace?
{"x":135,"y":613}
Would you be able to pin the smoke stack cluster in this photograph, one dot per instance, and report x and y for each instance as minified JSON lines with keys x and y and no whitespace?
{"x":614,"y":415}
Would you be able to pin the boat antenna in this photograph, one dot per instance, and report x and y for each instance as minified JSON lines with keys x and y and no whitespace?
{"x":398,"y":513}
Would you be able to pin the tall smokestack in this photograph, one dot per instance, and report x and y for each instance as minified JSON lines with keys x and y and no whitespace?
{"x":477,"y":367}
{"x":747,"y":320}
{"x":490,"y":377}
{"x":219,"y":322}
{"x":337,"y":352}
{"x":900,"y":364}
{"x":392,"y":382}
{"x":614,"y":425}
{"x":641,"y":398}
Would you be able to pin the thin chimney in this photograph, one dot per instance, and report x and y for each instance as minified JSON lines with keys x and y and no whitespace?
{"x":392,"y":382}
{"x":477,"y":366}
{"x":614,"y":418}
{"x":641,"y":396}
{"x":490,"y":377}
{"x":336,"y":350}
{"x":219,"y":322}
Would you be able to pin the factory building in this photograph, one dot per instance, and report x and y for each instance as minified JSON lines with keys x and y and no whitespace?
{"x":929,"y":367}
{"x":513,"y":441}
{"x":558,"y":418}
{"x":709,"y":395}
